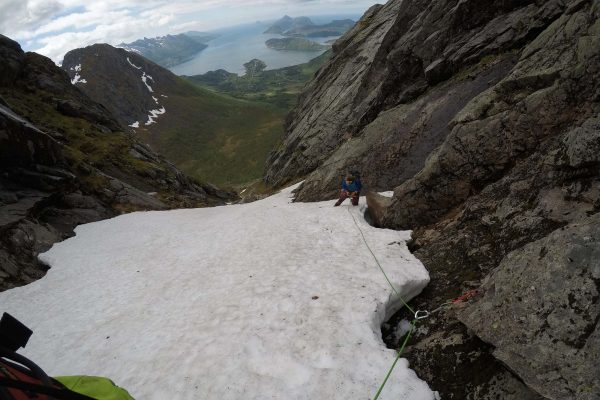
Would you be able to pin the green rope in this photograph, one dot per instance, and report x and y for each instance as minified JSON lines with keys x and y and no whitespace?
{"x":400,"y":351}
{"x":380,"y":267}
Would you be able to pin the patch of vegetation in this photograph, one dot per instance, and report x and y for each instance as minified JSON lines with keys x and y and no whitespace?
{"x":231,"y":123}
{"x":85,"y":143}
{"x":279,"y":87}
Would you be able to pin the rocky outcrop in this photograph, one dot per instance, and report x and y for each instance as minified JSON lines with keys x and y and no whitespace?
{"x":64,"y":161}
{"x":484,"y":118}
{"x":541,"y":311}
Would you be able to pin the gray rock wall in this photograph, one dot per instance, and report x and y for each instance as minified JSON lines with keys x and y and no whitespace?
{"x":541,"y":312}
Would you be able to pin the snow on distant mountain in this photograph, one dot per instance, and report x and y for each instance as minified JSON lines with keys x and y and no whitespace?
{"x":126,"y":83}
{"x":271,"y":299}
{"x":170,"y":50}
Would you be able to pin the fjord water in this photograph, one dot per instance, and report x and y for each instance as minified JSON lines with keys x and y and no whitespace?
{"x":240,"y":44}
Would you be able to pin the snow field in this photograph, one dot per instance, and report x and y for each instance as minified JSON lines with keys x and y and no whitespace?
{"x":221,"y":303}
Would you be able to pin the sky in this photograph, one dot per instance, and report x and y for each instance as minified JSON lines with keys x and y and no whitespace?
{"x":53,"y":27}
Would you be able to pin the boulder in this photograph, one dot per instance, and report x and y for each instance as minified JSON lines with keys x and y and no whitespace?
{"x":540,"y":311}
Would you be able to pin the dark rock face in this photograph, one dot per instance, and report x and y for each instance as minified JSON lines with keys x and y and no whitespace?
{"x":64,"y":161}
{"x":484,"y":118}
{"x":130,"y":93}
{"x":40,"y":201}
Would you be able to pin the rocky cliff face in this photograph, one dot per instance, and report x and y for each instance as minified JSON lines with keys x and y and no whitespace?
{"x":64,"y":160}
{"x":484,"y":118}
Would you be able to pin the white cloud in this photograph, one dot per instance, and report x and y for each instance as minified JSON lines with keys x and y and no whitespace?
{"x":53,"y":27}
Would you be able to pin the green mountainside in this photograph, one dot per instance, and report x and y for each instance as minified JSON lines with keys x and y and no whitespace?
{"x":222,"y":139}
{"x":210,"y":136}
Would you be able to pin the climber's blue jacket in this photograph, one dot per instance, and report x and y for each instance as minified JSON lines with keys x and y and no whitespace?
{"x":353,"y":187}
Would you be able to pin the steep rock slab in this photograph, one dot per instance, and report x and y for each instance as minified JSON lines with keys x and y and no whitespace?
{"x":522,"y":161}
{"x":393,"y":55}
{"x":552,"y":88}
{"x":541,"y":312}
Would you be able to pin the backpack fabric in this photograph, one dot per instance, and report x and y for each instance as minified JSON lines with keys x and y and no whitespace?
{"x":95,"y":387}
{"x":18,"y":383}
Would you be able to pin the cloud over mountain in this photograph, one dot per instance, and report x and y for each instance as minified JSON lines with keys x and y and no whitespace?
{"x":53,"y":27}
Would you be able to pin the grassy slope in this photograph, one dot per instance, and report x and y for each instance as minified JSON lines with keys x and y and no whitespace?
{"x":222,"y":132}
{"x":214,"y":137}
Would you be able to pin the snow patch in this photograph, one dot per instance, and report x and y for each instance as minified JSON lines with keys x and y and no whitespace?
{"x":154,"y":114}
{"x":387,"y":194}
{"x":136,"y":124}
{"x":77,"y":77}
{"x":145,"y":80}
{"x":162,"y":95}
{"x":266,"y":300}
{"x":155,"y":99}
{"x":132,"y":64}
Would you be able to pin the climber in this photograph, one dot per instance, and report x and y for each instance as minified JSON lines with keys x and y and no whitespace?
{"x":351,"y":186}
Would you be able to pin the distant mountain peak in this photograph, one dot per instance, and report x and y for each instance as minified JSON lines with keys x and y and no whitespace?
{"x":305,"y":27}
{"x":170,"y":50}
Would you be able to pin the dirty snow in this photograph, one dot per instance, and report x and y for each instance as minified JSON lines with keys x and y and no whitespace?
{"x":136,"y":124}
{"x":153,"y":115}
{"x":267,"y":300}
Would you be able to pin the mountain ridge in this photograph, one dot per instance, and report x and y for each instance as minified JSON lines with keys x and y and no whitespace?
{"x":304,"y":27}
{"x":170,"y":50}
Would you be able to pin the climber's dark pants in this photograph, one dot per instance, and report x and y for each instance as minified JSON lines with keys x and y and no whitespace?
{"x":345,"y":194}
